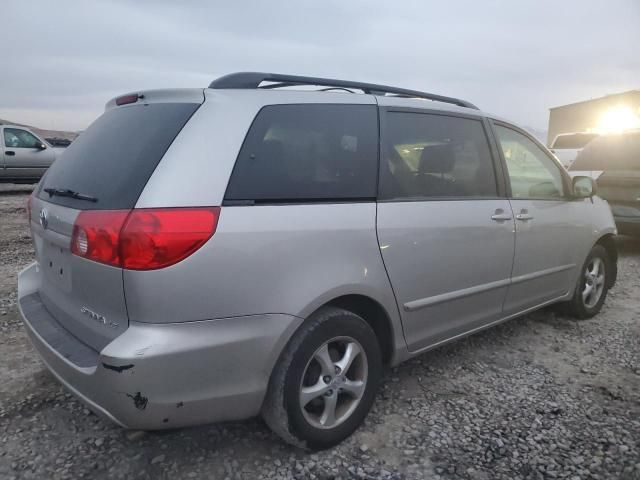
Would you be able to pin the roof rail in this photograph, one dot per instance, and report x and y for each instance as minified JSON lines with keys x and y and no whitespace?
{"x":250,"y":80}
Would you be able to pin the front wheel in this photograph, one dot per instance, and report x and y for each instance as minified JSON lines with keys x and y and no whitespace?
{"x":593,"y":285}
{"x":325,"y":381}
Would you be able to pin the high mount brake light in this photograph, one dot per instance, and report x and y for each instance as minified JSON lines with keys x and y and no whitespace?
{"x":126,"y":99}
{"x":142,"y":239}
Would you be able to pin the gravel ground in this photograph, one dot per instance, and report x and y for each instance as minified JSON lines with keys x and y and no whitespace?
{"x":540,"y":397}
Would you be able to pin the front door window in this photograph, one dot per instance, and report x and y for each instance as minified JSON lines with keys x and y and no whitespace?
{"x":17,"y":138}
{"x":532,"y":173}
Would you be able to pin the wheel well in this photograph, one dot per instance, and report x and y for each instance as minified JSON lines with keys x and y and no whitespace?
{"x":609,"y":244}
{"x":372,"y":313}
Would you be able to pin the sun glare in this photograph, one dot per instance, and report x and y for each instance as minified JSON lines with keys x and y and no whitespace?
{"x":618,"y":119}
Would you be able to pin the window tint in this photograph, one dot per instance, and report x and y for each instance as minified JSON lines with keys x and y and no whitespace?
{"x":306,"y":153}
{"x":16,"y":138}
{"x":532,"y":173}
{"x":610,"y":152}
{"x":435,"y":156}
{"x":113,"y":159}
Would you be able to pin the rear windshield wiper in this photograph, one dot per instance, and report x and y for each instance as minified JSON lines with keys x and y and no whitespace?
{"x":65,"y":192}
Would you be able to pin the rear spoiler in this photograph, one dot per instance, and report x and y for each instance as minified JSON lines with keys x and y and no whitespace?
{"x":171,"y":95}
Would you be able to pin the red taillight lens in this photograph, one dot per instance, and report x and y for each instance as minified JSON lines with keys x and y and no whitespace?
{"x":157,"y":238}
{"x":143,"y":239}
{"x":96,"y":235}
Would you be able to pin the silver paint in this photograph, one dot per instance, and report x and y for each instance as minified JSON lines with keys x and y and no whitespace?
{"x":203,"y":335}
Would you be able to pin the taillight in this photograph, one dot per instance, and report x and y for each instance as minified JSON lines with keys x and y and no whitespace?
{"x":142,"y":239}
{"x":157,"y":238}
{"x":96,"y":235}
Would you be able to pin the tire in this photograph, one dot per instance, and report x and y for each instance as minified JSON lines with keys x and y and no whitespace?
{"x":585,"y":305}
{"x":327,"y":340}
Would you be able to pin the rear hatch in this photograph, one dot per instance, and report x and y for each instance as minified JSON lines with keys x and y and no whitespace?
{"x":107,"y":167}
{"x":614,"y":161}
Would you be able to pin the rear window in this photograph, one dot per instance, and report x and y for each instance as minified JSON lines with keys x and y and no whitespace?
{"x":573,"y":141}
{"x":302,"y":153}
{"x":113,"y":159}
{"x":610,"y":152}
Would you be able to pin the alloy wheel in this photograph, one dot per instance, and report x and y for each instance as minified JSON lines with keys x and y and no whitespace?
{"x":333,"y":382}
{"x":594,"y":280}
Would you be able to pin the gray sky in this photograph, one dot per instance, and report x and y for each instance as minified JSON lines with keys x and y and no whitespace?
{"x":64,"y":59}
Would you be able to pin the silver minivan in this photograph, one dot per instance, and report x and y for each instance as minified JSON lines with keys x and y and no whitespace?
{"x":258,"y":247}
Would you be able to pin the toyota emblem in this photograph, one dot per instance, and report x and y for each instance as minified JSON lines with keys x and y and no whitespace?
{"x":43,"y":218}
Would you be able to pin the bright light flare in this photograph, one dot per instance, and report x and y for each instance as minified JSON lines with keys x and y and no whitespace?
{"x":618,"y":119}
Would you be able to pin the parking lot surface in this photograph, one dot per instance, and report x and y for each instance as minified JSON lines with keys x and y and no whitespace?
{"x":539,"y":397}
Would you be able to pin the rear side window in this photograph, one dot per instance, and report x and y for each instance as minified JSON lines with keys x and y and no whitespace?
{"x":311,"y":152}
{"x":437,"y":156}
{"x":610,"y":152}
{"x":113,"y":159}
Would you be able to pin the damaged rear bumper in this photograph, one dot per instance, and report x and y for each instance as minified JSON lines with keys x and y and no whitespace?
{"x":157,"y":376}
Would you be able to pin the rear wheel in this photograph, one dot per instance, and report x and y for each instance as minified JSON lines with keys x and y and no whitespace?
{"x":325,"y":381}
{"x":593,"y":285}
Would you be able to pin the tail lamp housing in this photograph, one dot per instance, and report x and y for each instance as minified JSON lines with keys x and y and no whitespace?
{"x":142,"y":239}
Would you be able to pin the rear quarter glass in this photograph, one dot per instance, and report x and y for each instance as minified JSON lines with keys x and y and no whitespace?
{"x":306,"y":153}
{"x":113,"y":159}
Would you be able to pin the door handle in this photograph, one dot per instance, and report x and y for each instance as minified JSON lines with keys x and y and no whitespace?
{"x":524,"y":216}
{"x":500,"y":215}
{"x":10,"y":153}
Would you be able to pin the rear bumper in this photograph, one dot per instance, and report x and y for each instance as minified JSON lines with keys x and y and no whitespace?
{"x":157,"y":376}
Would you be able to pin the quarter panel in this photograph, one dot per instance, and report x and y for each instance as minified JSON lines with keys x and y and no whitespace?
{"x":287,"y":259}
{"x":196,"y":168}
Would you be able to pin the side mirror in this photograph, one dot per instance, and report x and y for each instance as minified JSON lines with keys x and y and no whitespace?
{"x":584,"y":187}
{"x":41,"y":146}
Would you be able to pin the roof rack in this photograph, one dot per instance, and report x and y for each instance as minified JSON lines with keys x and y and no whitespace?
{"x":250,"y":80}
